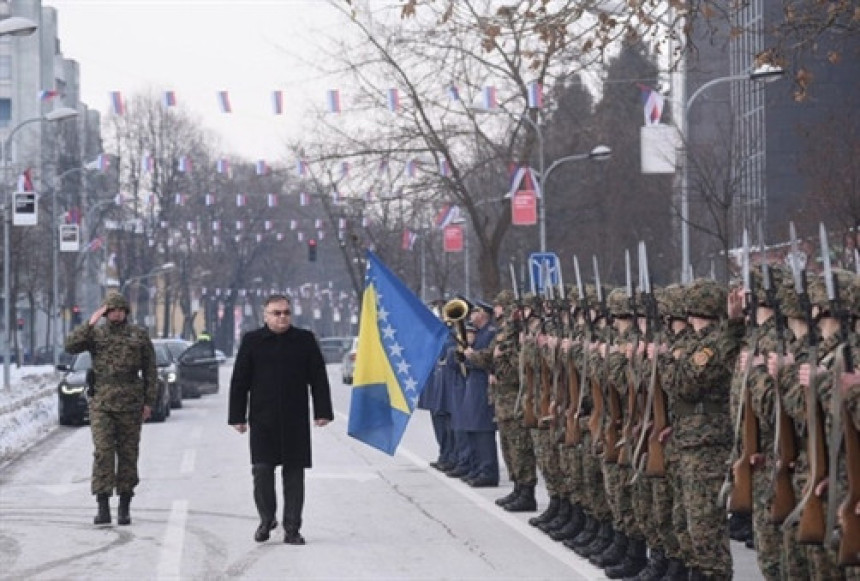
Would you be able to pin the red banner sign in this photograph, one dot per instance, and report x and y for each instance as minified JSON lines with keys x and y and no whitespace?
{"x":524,"y":208}
{"x":452,"y":239}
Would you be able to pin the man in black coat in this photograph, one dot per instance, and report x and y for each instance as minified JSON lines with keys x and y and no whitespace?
{"x":274,"y":367}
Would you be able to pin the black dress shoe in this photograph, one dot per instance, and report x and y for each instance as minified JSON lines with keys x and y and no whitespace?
{"x":294,"y":538}
{"x":483,"y":483}
{"x":262,"y":533}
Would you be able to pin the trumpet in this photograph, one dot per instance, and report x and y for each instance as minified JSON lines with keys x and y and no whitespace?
{"x":454,"y":315}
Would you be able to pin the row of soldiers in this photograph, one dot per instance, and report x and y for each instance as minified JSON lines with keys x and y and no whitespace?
{"x":650,"y":415}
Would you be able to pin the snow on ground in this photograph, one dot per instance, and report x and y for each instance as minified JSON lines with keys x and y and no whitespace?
{"x":28,"y":409}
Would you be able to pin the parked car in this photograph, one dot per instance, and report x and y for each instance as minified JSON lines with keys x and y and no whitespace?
{"x":73,"y":402}
{"x":348,"y":362}
{"x":197,"y":365}
{"x":169,"y":374}
{"x":333,"y":348}
{"x":219,"y":355}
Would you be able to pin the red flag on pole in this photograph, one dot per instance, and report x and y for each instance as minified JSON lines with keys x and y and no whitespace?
{"x":524,"y":208}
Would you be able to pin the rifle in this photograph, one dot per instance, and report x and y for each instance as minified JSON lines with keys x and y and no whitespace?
{"x":578,"y":381}
{"x":655,"y":417}
{"x":785,"y":440}
{"x":598,"y":414}
{"x":547,"y":364}
{"x":842,"y":428}
{"x":624,"y":454}
{"x":810,"y":509}
{"x":738,"y":483}
{"x":528,"y":410}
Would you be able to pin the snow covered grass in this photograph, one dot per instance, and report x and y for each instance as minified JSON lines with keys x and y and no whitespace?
{"x":28,"y":410}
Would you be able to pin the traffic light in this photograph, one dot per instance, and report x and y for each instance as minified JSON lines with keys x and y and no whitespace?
{"x":312,"y":250}
{"x":76,"y":316}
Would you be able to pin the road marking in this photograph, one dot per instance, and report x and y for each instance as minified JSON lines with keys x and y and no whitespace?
{"x":535,"y":535}
{"x":170,"y":556}
{"x":188,"y":458}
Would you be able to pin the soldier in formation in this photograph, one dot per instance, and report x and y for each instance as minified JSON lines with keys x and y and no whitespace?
{"x":637,"y":408}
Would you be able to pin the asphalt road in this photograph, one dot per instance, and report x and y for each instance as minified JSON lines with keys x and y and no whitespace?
{"x":367,"y":515}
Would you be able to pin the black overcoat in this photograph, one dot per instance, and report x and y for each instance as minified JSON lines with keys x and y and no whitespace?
{"x":269,"y":392}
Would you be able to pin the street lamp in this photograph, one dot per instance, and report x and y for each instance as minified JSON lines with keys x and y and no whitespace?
{"x":55,"y":257}
{"x":56,"y":115}
{"x":764,"y":73}
{"x":17,"y":26}
{"x":598,"y":153}
{"x":166,"y":267}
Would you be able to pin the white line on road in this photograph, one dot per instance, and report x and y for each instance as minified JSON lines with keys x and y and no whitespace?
{"x":170,"y":556}
{"x":188,"y":458}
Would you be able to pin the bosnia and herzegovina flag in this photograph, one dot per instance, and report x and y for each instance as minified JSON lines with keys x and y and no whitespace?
{"x":399,"y":340}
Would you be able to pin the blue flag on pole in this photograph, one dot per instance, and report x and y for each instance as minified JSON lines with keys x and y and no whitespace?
{"x":399,"y":340}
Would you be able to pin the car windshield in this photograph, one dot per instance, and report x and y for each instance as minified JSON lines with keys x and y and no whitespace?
{"x":162,"y":356}
{"x":177,"y":348}
{"x":82,"y":362}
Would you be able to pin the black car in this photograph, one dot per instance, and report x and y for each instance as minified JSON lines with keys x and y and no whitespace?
{"x":197,"y":366}
{"x":73,"y":402}
{"x":168,"y":372}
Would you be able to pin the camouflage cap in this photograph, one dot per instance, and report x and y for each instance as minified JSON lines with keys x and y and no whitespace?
{"x":505,"y":298}
{"x":706,"y":298}
{"x":789,"y":302}
{"x":115,"y":300}
{"x":571,"y":293}
{"x":846,"y":281}
{"x":670,"y":302}
{"x":618,"y":303}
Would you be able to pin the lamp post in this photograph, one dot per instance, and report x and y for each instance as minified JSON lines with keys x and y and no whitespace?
{"x":763,"y":73}
{"x":598,"y":153}
{"x":166,"y":267}
{"x":55,"y":293}
{"x":55,"y":115}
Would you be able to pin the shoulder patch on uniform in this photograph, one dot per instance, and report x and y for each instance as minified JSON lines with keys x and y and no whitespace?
{"x":701,"y":357}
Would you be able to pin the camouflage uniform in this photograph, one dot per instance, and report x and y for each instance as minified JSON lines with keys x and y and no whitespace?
{"x":517,"y":451}
{"x":119,"y":352}
{"x":702,"y":431}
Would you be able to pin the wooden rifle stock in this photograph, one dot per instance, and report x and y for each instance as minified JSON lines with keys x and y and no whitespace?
{"x":544,"y":402}
{"x":655,"y":464}
{"x":572,"y":433}
{"x":741,"y":498}
{"x":811,"y":529}
{"x":784,"y":500}
{"x":849,"y":544}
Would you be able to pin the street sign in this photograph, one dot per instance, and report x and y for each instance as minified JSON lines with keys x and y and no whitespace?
{"x":544,"y":265}
{"x":70,"y":238}
{"x":25,"y":209}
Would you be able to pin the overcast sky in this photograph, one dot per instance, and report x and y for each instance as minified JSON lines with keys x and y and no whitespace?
{"x":198,"y":47}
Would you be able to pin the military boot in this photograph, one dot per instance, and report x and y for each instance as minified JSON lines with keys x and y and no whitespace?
{"x":584,"y":538}
{"x":525,"y":502}
{"x":510,"y":496}
{"x":587,"y":538}
{"x":655,"y":569}
{"x":697,"y":575}
{"x":572,"y":527}
{"x":613,"y":554}
{"x":560,"y":518}
{"x":602,"y":543}
{"x":123,"y":516}
{"x":676,"y":571}
{"x":633,"y":562}
{"x":740,"y":527}
{"x":103,"y":515}
{"x":547,"y":515}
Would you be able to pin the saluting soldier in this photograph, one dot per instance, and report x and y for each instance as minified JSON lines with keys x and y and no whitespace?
{"x":123,"y":362}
